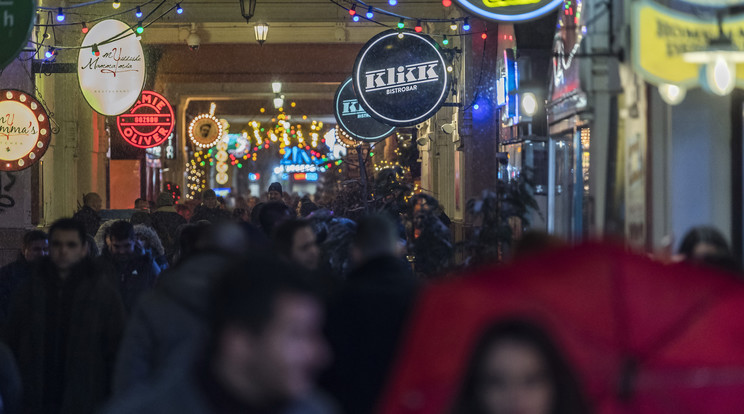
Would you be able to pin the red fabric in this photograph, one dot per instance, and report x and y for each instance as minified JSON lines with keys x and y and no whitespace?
{"x":684,"y":327}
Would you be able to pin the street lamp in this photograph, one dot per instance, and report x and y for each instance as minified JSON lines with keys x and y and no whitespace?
{"x":262,"y":30}
{"x":248,"y":9}
{"x":672,"y":94}
{"x":719,"y":60}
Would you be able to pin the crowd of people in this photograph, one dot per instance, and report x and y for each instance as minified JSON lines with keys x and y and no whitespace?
{"x":268,"y":308}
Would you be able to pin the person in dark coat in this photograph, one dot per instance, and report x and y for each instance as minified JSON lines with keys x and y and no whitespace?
{"x":166,"y":222}
{"x":209,"y":209}
{"x":64,"y":328}
{"x":88,"y":214}
{"x":367,"y":316}
{"x":10,"y":382}
{"x":135,"y":272}
{"x":262,"y":350}
{"x":35,"y":246}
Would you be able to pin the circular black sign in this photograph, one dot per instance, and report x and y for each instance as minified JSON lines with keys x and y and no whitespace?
{"x":353,"y":119}
{"x":401,"y":77}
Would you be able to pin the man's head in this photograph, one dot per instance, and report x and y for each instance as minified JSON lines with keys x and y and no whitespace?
{"x":271,"y":214}
{"x":295,"y":241}
{"x":209,"y":199}
{"x":204,"y":130}
{"x":141,"y":204}
{"x":275,"y":192}
{"x":67,"y":243}
{"x":375,"y":236}
{"x":94,"y":201}
{"x":35,"y":245}
{"x":266,"y":342}
{"x":121,"y":238}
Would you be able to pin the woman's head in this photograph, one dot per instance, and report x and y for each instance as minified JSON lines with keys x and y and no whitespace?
{"x":704,"y":243}
{"x":516,"y":368}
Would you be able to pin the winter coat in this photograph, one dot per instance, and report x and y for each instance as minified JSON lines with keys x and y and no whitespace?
{"x":11,"y":275}
{"x":169,"y":322}
{"x":70,"y":347}
{"x":89,"y":218}
{"x":166,"y":222}
{"x":364,"y":324}
{"x":183,"y":394}
{"x":212,"y":215}
{"x":134,"y":276}
{"x":10,"y":382}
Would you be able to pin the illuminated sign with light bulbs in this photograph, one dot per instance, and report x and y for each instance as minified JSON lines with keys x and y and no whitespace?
{"x":24,"y":130}
{"x":511,"y":11}
{"x":205,"y":130}
{"x":149,"y":123}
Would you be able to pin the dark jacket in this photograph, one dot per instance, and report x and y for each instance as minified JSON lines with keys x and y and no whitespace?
{"x":365,"y":321}
{"x":134,"y":275}
{"x":10,"y":382}
{"x":169,"y":322}
{"x":11,"y":275}
{"x":212,"y":215}
{"x":89,"y":218}
{"x":166,"y":222}
{"x":64,"y":335}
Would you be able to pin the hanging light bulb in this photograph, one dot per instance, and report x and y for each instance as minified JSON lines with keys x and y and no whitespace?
{"x":116,"y":4}
{"x":719,"y":76}
{"x":369,"y":13}
{"x":138,"y":13}
{"x":95,"y":50}
{"x":453,"y":25}
{"x":446,"y":3}
{"x":401,"y":24}
{"x":352,"y":10}
{"x":49,"y":53}
{"x":84,"y":29}
{"x":465,"y":25}
{"x":672,"y":94}
{"x":445,"y":41}
{"x":140,"y":29}
{"x":484,"y":36}
{"x":393,"y":2}
{"x":179,"y":9}
{"x":60,"y":15}
{"x":418,"y":27}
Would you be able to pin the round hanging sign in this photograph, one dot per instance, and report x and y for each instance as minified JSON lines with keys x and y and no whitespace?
{"x":24,"y":130}
{"x":205,"y":130}
{"x":354,"y":119}
{"x":16,"y":22}
{"x":149,"y":123}
{"x":400,"y":77}
{"x":111,"y":75}
{"x":510,"y":10}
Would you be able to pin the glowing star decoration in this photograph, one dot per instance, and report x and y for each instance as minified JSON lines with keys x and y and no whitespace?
{"x":24,"y":130}
{"x":111,"y":81}
{"x":149,"y":123}
{"x":205,"y":130}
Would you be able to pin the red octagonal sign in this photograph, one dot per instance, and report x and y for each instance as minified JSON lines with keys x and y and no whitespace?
{"x":149,"y":122}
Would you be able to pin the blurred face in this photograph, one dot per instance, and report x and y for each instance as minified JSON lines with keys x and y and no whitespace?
{"x":142,"y":205}
{"x":36,"y":250}
{"x":515,"y":380}
{"x":121,"y":246}
{"x":704,"y":250}
{"x":96,"y":204}
{"x":305,"y":250}
{"x":211,"y":202}
{"x":67,"y":249}
{"x":281,"y":362}
{"x":275,"y":196}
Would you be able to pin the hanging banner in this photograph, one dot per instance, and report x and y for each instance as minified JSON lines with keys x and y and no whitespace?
{"x":400,"y":77}
{"x":509,"y":10}
{"x":661,"y":35}
{"x":112,"y":78}
{"x":16,"y":21}
{"x":354,"y":119}
{"x":205,"y":130}
{"x":149,"y":123}
{"x":24,"y":130}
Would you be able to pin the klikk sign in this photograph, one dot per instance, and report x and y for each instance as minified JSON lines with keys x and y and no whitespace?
{"x":353,"y":119}
{"x":400,"y":78}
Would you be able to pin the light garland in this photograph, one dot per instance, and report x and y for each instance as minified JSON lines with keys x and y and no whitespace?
{"x":206,"y":143}
{"x":196,"y":179}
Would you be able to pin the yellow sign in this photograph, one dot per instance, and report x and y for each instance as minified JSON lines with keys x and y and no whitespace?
{"x":661,"y":35}
{"x":507,"y":3}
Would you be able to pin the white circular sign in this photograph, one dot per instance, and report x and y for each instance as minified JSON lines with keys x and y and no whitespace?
{"x":113,"y":77}
{"x":24,"y":130}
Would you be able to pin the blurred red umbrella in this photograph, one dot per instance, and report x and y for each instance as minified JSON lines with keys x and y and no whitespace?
{"x":643,"y":337}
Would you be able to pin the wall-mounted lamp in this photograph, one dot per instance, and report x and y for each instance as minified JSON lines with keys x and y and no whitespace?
{"x":261,"y":30}
{"x":719,"y":61}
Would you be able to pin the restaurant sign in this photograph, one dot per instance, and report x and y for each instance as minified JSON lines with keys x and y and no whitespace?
{"x":400,"y":77}
{"x":111,"y":67}
{"x":509,"y":10}
{"x":149,"y":123}
{"x":354,"y":119}
{"x":24,"y":130}
{"x":661,"y":35}
{"x":16,"y":22}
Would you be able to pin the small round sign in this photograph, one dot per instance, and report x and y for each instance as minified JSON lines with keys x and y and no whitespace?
{"x":352,"y":117}
{"x":16,"y":22}
{"x":510,"y":10}
{"x":205,"y":130}
{"x":149,"y":123}
{"x":400,"y":77}
{"x":24,"y":130}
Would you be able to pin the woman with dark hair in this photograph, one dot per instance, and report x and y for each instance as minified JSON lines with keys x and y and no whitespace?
{"x":516,"y":368}
{"x":706,"y":245}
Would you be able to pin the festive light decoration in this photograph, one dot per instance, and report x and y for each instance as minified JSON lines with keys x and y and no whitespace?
{"x":370,"y":14}
{"x":355,"y":18}
{"x":50,"y":53}
{"x":393,"y":2}
{"x":138,"y":13}
{"x":466,"y":25}
{"x":196,"y":177}
{"x":179,"y":9}
{"x":209,"y":137}
{"x":445,"y":41}
{"x":446,"y":3}
{"x":95,"y":50}
{"x":352,"y":10}
{"x":116,"y":4}
{"x":84,"y":29}
{"x":60,"y":15}
{"x":401,"y":24}
{"x":484,"y":36}
{"x":418,"y":27}
{"x":140,"y":29}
